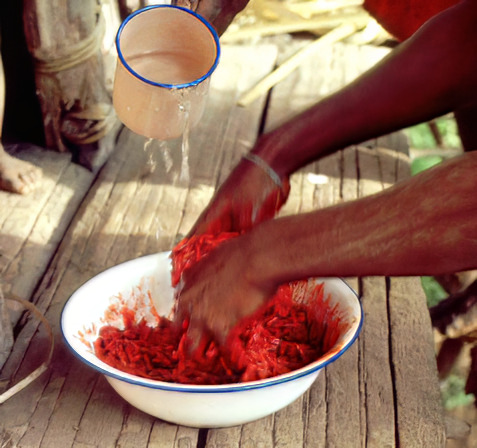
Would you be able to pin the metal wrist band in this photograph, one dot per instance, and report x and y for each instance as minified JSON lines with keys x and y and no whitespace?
{"x":265,"y":167}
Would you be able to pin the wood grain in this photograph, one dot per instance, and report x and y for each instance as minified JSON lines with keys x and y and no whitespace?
{"x":382,"y":392}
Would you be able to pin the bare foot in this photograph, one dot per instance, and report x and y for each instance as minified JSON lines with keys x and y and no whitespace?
{"x":17,"y":176}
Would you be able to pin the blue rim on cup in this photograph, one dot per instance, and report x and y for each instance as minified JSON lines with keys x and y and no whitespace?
{"x":165,"y":85}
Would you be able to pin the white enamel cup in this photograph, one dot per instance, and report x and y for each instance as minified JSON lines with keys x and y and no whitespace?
{"x":166,"y":55}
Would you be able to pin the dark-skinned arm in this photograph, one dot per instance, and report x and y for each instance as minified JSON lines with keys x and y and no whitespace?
{"x":432,"y":73}
{"x":425,"y":225}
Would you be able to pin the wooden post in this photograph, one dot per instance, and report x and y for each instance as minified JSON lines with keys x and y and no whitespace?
{"x":65,"y":39}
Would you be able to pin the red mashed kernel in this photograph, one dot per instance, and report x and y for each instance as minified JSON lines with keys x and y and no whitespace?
{"x":190,"y":250}
{"x":283,"y":335}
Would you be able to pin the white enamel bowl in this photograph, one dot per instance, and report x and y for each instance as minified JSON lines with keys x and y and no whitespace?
{"x":190,"y":405}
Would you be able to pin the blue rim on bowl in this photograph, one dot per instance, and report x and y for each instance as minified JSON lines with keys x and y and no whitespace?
{"x":107,"y":370}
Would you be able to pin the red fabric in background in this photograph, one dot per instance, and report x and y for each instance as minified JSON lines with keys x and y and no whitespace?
{"x":402,"y":18}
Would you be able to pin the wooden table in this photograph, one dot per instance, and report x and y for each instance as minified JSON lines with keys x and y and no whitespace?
{"x":383,"y":392}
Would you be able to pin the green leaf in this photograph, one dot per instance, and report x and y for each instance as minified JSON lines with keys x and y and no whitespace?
{"x":420,"y":136}
{"x":433,"y":290}
{"x":424,"y":163}
{"x":453,"y":392}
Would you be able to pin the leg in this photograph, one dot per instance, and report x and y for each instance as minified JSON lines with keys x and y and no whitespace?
{"x":16,"y":175}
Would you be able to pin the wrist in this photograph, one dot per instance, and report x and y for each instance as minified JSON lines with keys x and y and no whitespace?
{"x":266,"y":168}
{"x":255,"y":253}
{"x":269,"y":148}
{"x":265,"y":269}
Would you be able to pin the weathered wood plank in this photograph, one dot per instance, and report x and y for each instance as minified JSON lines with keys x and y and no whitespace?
{"x":329,"y":184}
{"x":345,"y":408}
{"x":32,"y":226}
{"x":133,"y":209}
{"x":135,"y":430}
{"x":419,"y":415}
{"x":299,"y":90}
{"x":171,"y":206}
{"x":165,"y":435}
{"x":417,"y":399}
{"x":224,"y":437}
{"x":102,"y":420}
{"x":6,"y":329}
{"x":39,"y":420}
{"x":369,"y":172}
{"x":258,"y":434}
{"x":354,"y":359}
{"x":329,"y":71}
{"x":316,"y":414}
{"x":349,"y":184}
{"x":51,"y":281}
{"x":342,"y":427}
{"x":76,"y":262}
{"x":236,"y":134}
{"x":123,"y":209}
{"x":378,"y":381}
{"x":289,"y":427}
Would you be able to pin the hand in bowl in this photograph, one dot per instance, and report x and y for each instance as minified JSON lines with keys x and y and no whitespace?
{"x":219,"y":290}
{"x":248,"y":196}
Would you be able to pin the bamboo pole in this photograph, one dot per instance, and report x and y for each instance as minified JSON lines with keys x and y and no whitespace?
{"x":335,"y":35}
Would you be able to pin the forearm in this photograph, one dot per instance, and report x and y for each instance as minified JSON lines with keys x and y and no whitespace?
{"x":424,"y":226}
{"x":427,"y":76}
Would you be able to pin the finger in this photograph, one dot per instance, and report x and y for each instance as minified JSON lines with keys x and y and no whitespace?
{"x":181,"y":311}
{"x":221,"y":333}
{"x":194,"y":334}
{"x":214,"y":220}
{"x":285,"y":188}
{"x":244,"y":217}
{"x":208,"y":9}
{"x":190,"y":4}
{"x":222,"y":223}
{"x":270,"y":207}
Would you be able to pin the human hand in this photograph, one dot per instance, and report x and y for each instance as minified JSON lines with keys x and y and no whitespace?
{"x":248,"y":197}
{"x":219,"y":13}
{"x":219,"y":290}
